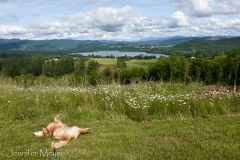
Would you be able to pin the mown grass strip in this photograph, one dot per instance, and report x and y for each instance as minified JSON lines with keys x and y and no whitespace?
{"x":201,"y":138}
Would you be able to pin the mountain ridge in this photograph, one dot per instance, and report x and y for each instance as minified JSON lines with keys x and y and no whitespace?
{"x":179,"y":43}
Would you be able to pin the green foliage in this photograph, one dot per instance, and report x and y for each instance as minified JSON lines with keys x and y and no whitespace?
{"x":91,"y":66}
{"x":126,"y":76}
{"x":234,"y":62}
{"x":107,"y":74}
{"x":57,"y":67}
{"x":221,"y":69}
{"x":121,"y":63}
{"x":209,"y":47}
{"x":81,"y":68}
{"x":160,"y":70}
{"x":92,"y":72}
{"x":22,"y":65}
{"x":93,"y":77}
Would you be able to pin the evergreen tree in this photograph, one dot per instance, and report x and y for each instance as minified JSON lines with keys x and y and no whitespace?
{"x":80,"y":68}
{"x":107,"y":74}
{"x":92,"y":65}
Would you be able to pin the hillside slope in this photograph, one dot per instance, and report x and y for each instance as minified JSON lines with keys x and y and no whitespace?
{"x":208,"y":47}
{"x":40,"y":45}
{"x":183,"y":45}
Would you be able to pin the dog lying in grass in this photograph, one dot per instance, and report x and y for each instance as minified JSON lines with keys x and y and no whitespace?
{"x":61,"y":132}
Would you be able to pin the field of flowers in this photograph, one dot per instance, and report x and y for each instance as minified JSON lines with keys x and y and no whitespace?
{"x":139,"y":101}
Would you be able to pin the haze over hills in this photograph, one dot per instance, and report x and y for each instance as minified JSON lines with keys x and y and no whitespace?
{"x":205,"y":44}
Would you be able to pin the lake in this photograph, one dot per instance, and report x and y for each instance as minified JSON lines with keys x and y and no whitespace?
{"x":118,"y":54}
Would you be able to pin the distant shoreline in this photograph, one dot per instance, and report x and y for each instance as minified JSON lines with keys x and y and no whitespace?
{"x":117,"y":53}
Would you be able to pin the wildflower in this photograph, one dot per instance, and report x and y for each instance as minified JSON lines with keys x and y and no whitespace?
{"x":80,"y":109}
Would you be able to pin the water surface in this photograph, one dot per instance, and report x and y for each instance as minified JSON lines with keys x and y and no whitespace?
{"x":119,"y":54}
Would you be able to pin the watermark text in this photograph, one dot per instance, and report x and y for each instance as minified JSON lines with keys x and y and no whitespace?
{"x":29,"y":153}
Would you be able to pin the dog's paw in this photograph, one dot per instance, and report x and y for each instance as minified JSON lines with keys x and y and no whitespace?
{"x":86,"y":130}
{"x":52,"y":144}
{"x":38,"y":133}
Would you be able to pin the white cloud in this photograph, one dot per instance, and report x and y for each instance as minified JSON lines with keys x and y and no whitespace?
{"x":95,"y":24}
{"x":201,"y":8}
{"x":12,"y":30}
{"x":215,"y":26}
{"x":194,"y":29}
{"x":228,"y":7}
{"x":105,"y":19}
{"x":207,"y":8}
{"x":232,"y":24}
{"x":144,"y":24}
{"x":178,"y":19}
{"x":196,"y":8}
{"x":110,"y":19}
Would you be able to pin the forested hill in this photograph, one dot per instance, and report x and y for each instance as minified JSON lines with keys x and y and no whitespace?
{"x":188,"y":46}
{"x":42,"y":45}
{"x":208,"y":46}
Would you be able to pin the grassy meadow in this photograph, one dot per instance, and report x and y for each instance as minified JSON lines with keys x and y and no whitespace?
{"x":140,"y":63}
{"x":138,"y":121}
{"x":132,"y":63}
{"x":105,"y":61}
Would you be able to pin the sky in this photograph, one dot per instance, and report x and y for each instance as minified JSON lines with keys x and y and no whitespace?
{"x":117,"y":19}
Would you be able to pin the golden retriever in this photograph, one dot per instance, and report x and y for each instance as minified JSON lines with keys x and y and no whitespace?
{"x":61,"y":132}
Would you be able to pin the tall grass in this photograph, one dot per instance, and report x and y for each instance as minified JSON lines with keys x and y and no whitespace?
{"x":139,"y":101}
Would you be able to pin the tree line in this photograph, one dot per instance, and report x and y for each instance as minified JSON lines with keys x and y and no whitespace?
{"x":221,"y":69}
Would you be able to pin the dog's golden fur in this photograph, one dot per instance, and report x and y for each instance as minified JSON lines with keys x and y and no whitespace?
{"x":61,"y":132}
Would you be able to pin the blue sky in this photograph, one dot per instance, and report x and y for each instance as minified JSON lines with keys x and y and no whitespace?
{"x":117,"y":19}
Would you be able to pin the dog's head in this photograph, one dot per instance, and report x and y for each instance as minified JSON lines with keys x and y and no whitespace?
{"x":43,"y":132}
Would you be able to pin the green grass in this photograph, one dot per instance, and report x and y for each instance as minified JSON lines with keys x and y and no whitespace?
{"x":130,"y":64}
{"x":200,"y":138}
{"x":140,"y":63}
{"x":137,"y":121}
{"x":105,"y":61}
